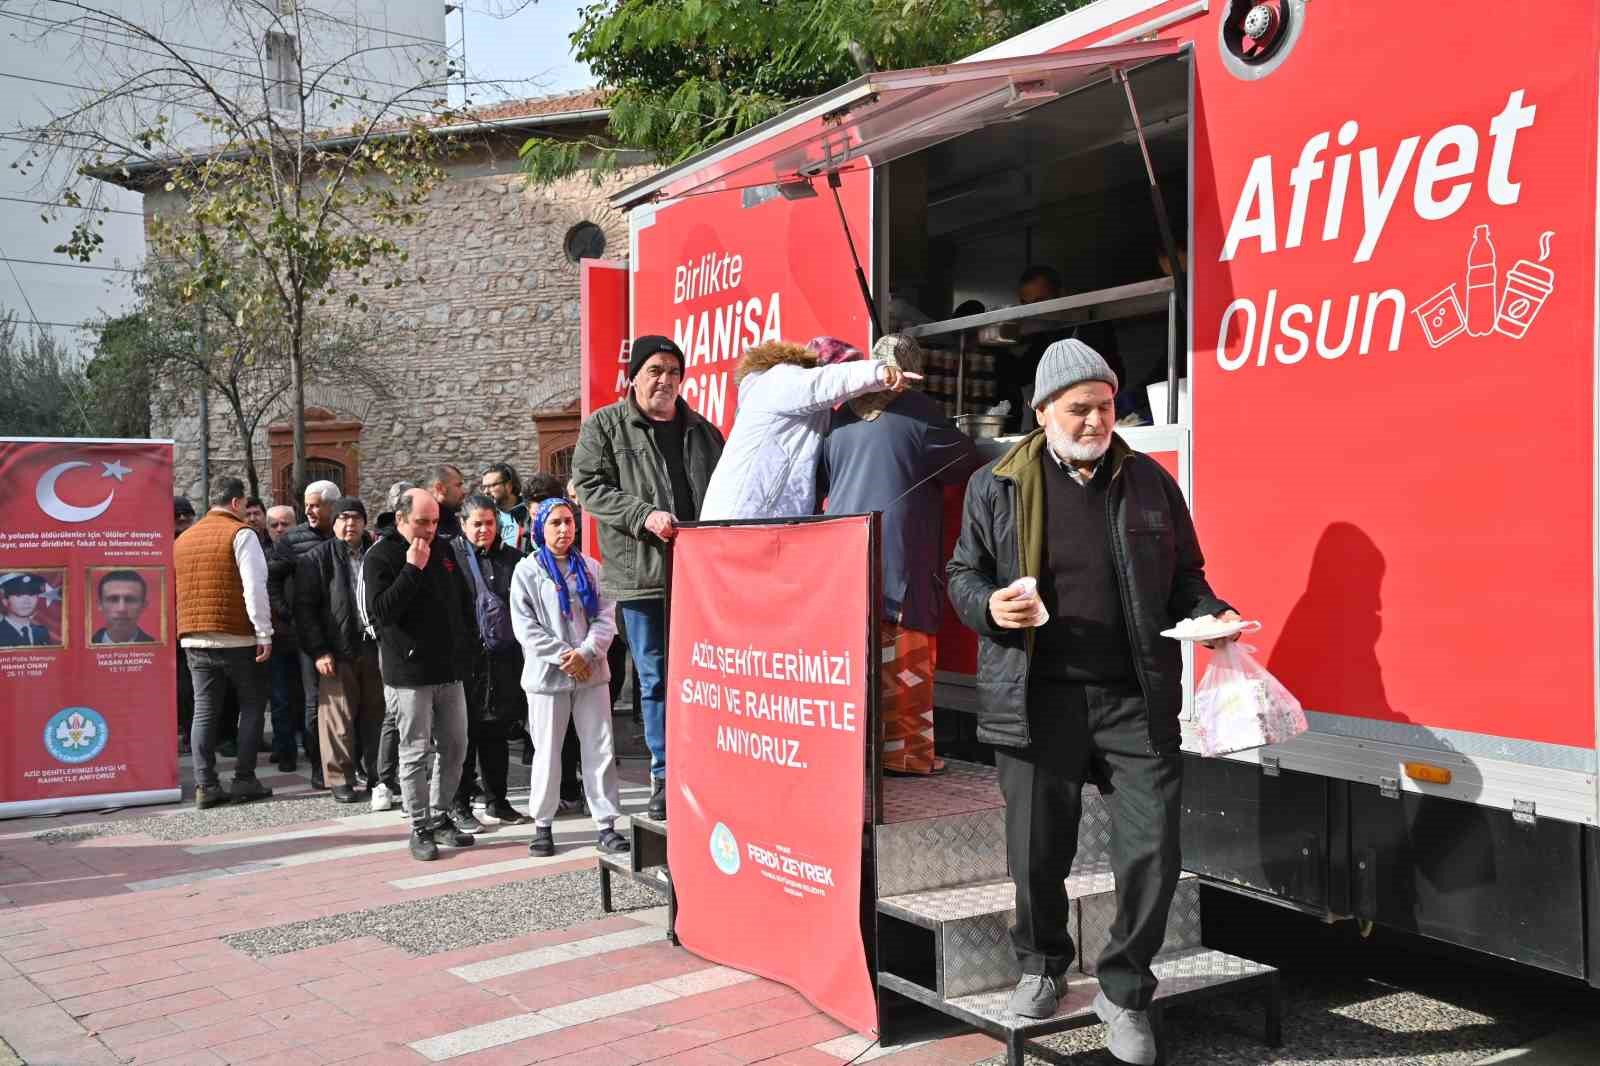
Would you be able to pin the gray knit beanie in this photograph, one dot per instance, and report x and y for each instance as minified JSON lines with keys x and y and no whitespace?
{"x":1068,"y":363}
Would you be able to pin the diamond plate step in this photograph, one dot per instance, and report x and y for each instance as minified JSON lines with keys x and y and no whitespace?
{"x":949,"y":830}
{"x":1180,"y":973}
{"x":971,"y":925}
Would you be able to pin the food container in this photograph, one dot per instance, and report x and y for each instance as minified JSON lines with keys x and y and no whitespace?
{"x":981,"y":427}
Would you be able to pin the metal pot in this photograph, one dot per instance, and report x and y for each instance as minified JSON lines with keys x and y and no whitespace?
{"x":980,"y":427}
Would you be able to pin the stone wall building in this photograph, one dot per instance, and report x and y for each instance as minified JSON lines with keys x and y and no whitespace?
{"x":485,"y":359}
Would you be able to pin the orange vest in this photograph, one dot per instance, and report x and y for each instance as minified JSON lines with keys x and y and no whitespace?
{"x":210,"y":590}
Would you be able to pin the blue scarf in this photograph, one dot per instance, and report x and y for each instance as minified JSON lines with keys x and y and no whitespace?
{"x":552,"y":565}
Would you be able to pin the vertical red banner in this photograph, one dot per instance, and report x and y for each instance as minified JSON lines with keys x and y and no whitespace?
{"x":88,"y":659}
{"x":602,"y":347}
{"x":767,"y":725}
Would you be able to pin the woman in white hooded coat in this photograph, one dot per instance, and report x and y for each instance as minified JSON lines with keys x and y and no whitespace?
{"x":565,"y":626}
{"x":768,"y":467}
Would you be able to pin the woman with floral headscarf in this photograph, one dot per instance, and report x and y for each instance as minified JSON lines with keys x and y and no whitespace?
{"x":768,"y":468}
{"x":565,"y":625}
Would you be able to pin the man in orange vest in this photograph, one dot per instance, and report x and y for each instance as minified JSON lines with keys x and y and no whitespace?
{"x":225,"y":630}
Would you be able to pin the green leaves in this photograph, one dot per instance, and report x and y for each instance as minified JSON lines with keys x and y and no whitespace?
{"x":687,"y":74}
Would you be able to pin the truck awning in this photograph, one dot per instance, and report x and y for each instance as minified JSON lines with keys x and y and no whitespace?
{"x":888,"y":114}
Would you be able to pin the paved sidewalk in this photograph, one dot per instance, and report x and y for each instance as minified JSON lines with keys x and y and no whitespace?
{"x":292,"y":931}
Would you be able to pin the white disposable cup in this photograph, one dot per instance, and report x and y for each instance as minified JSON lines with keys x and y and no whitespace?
{"x":1029,"y":587}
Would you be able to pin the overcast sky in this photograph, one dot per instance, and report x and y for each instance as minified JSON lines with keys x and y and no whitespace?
{"x":531,"y":44}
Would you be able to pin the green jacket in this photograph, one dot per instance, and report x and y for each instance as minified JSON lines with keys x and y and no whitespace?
{"x":620,"y":478}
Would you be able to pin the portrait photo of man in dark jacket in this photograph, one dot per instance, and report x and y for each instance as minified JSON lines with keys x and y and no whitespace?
{"x":1076,"y":684}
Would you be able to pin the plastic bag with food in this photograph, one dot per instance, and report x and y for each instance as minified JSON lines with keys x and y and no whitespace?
{"x":1239,"y":705}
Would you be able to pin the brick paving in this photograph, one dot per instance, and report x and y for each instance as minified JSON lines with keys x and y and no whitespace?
{"x":112,"y":950}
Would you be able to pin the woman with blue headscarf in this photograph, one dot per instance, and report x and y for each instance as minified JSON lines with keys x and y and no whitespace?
{"x":565,"y":627}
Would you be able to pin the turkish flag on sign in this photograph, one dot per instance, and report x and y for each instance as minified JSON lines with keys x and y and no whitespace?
{"x":769,"y":675}
{"x":92,"y":711}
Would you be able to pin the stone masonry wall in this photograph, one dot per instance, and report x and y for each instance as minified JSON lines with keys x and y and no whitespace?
{"x":490,"y":338}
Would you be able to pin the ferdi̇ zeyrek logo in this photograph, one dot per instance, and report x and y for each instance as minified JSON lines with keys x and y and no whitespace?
{"x":76,"y":735}
{"x":724,"y":849}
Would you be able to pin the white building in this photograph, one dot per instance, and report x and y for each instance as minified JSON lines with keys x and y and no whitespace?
{"x":53,"y":57}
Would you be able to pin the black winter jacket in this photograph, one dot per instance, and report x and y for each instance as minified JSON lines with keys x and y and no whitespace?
{"x":424,"y":618}
{"x":1161,"y":573}
{"x":327,"y":620}
{"x":494,"y":684}
{"x":282,"y":562}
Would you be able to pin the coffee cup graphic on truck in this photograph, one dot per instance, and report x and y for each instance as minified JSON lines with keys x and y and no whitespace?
{"x":1489,"y":307}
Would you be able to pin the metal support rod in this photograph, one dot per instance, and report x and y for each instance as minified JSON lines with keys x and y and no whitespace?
{"x":1163,"y":222}
{"x":861,"y":277}
{"x":1172,"y":358}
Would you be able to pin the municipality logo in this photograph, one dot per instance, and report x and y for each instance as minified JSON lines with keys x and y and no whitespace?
{"x":76,"y":734}
{"x":724,"y":850}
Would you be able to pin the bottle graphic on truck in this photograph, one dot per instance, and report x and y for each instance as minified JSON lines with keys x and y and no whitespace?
{"x":1481,"y":280}
{"x":1488,"y":308}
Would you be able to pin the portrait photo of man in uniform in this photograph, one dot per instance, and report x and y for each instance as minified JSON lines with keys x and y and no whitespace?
{"x":121,"y":599}
{"x":32,"y":607}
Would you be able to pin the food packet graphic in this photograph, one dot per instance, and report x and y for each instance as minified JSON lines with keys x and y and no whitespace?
{"x":1441,"y":316}
{"x":1528,"y":286}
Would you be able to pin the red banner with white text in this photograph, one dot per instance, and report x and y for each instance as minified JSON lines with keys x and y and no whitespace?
{"x":88,"y":671}
{"x":767,"y":725}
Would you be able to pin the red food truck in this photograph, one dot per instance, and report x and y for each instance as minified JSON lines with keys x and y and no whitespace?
{"x":1346,"y":258}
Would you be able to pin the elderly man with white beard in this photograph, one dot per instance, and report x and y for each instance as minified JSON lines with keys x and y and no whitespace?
{"x":1076,"y":683}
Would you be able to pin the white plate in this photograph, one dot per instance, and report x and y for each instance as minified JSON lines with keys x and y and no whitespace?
{"x":1216,"y":632}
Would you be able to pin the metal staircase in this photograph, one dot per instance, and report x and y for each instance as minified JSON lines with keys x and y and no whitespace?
{"x":946,"y":904}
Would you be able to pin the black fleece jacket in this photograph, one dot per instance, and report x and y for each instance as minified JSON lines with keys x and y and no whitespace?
{"x":424,"y":618}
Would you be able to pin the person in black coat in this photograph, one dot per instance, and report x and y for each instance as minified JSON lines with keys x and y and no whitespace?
{"x":320,"y":496}
{"x":327,"y":619}
{"x":496,"y":706}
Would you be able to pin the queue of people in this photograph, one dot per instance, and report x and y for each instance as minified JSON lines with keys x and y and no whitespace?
{"x":390,"y":653}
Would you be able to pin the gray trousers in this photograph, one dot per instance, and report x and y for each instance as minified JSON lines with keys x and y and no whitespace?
{"x":432,"y":720}
{"x":589,"y":710}
{"x":213,"y":670}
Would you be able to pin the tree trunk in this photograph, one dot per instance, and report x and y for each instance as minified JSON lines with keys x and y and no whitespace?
{"x":247,"y":442}
{"x":297,"y":403}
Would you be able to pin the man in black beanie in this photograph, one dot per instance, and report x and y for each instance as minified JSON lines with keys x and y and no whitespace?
{"x":641,"y":466}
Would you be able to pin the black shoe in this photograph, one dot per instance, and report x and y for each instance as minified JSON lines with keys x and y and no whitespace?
{"x":612,"y":841}
{"x":287,"y":763}
{"x":316,"y":780}
{"x":657,"y":811}
{"x":462,"y":819}
{"x":447,"y":834}
{"x":246,"y":789}
{"x":423,"y":849}
{"x":503,"y":812}
{"x":544,"y":841}
{"x":344,"y":794}
{"x":208,"y":796}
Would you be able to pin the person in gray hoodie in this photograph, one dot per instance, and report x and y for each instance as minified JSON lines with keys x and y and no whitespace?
{"x":565,"y":626}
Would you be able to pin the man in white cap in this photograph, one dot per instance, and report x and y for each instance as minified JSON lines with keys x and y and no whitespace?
{"x":1089,"y":690}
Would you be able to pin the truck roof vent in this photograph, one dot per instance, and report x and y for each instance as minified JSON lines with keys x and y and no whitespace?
{"x":1257,"y":35}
